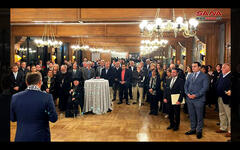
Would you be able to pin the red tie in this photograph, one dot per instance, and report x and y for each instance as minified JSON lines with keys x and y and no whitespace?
{"x":123,"y":74}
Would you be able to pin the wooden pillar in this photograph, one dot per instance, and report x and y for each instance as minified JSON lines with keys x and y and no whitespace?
{"x":212,"y":46}
{"x":178,"y":52}
{"x":12,"y":50}
{"x":227,"y":53}
{"x":189,"y":47}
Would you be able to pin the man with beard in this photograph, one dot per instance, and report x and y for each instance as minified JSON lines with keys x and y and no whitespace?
{"x":64,"y":80}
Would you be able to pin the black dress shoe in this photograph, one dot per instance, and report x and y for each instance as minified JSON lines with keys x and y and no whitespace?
{"x":218,"y":124}
{"x":190,"y":132}
{"x":134,"y":103}
{"x":175,"y":128}
{"x":199,"y":135}
{"x":119,"y":103}
{"x":113,"y":99}
{"x":127,"y":103}
{"x":169,"y":127}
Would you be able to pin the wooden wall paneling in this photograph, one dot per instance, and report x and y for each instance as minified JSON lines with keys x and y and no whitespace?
{"x":44,"y":14}
{"x":120,"y":14}
{"x":80,"y":30}
{"x":136,"y":14}
{"x":106,"y":56}
{"x":120,"y":30}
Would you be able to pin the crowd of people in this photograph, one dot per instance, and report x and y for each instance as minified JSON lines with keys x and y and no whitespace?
{"x":139,"y":82}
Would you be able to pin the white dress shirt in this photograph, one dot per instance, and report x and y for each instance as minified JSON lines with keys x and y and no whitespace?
{"x":15,"y":75}
{"x":173,"y":81}
{"x":224,"y":75}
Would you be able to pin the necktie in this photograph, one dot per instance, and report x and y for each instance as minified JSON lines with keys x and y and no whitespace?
{"x":89,"y":74}
{"x":172,"y":82}
{"x":194,"y":76}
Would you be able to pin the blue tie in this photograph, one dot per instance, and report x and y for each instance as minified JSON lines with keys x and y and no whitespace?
{"x":194,"y":76}
{"x":89,"y":74}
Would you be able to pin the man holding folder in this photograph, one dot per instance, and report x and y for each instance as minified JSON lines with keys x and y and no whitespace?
{"x":173,"y":95}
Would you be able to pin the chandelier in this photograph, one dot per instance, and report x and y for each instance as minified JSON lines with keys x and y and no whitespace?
{"x":112,"y":52}
{"x":148,"y":46}
{"x":25,"y":49}
{"x":159,"y":26}
{"x":48,"y":39}
{"x":156,"y":42}
{"x":80,"y":46}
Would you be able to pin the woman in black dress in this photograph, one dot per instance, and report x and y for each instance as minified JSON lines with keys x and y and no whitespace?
{"x":164,"y":105}
{"x":153,"y":91}
{"x":216,"y":75}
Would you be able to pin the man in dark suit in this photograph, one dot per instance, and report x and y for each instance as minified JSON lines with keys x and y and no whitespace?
{"x":131,"y":68}
{"x":223,"y":88}
{"x":33,"y":109}
{"x":24,"y":71}
{"x":23,"y":68}
{"x":88,"y":72}
{"x":124,"y":79}
{"x":41,"y":70}
{"x":175,"y":85}
{"x":16,"y":80}
{"x":117,"y":71}
{"x":63,"y":81}
{"x":108,"y":74}
{"x":195,"y":89}
{"x":147,"y":64}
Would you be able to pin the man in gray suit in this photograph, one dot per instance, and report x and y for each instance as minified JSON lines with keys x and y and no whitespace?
{"x":195,"y":88}
{"x":88,"y":72}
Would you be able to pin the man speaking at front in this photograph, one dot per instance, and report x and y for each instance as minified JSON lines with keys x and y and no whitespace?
{"x":33,"y":109}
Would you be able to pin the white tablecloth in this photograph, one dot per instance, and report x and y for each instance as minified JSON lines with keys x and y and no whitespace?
{"x":97,"y":96}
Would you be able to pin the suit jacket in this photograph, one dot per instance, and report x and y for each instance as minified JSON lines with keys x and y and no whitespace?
{"x":19,"y":81}
{"x":222,"y":85}
{"x":198,"y":87}
{"x":117,"y":72}
{"x":85,"y":74}
{"x":108,"y":76}
{"x":177,"y":88}
{"x":32,"y":110}
{"x":146,"y":66}
{"x":127,"y":77}
{"x":131,"y":71}
{"x":98,"y":73}
{"x":138,"y":78}
{"x":52,"y":88}
{"x":63,"y":82}
{"x":24,"y":72}
{"x":78,"y":74}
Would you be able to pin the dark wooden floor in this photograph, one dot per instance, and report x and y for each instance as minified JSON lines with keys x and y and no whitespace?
{"x":128,"y":123}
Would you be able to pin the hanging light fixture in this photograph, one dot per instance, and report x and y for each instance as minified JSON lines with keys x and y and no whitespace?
{"x":159,"y":26}
{"x":80,"y":46}
{"x":48,"y":39}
